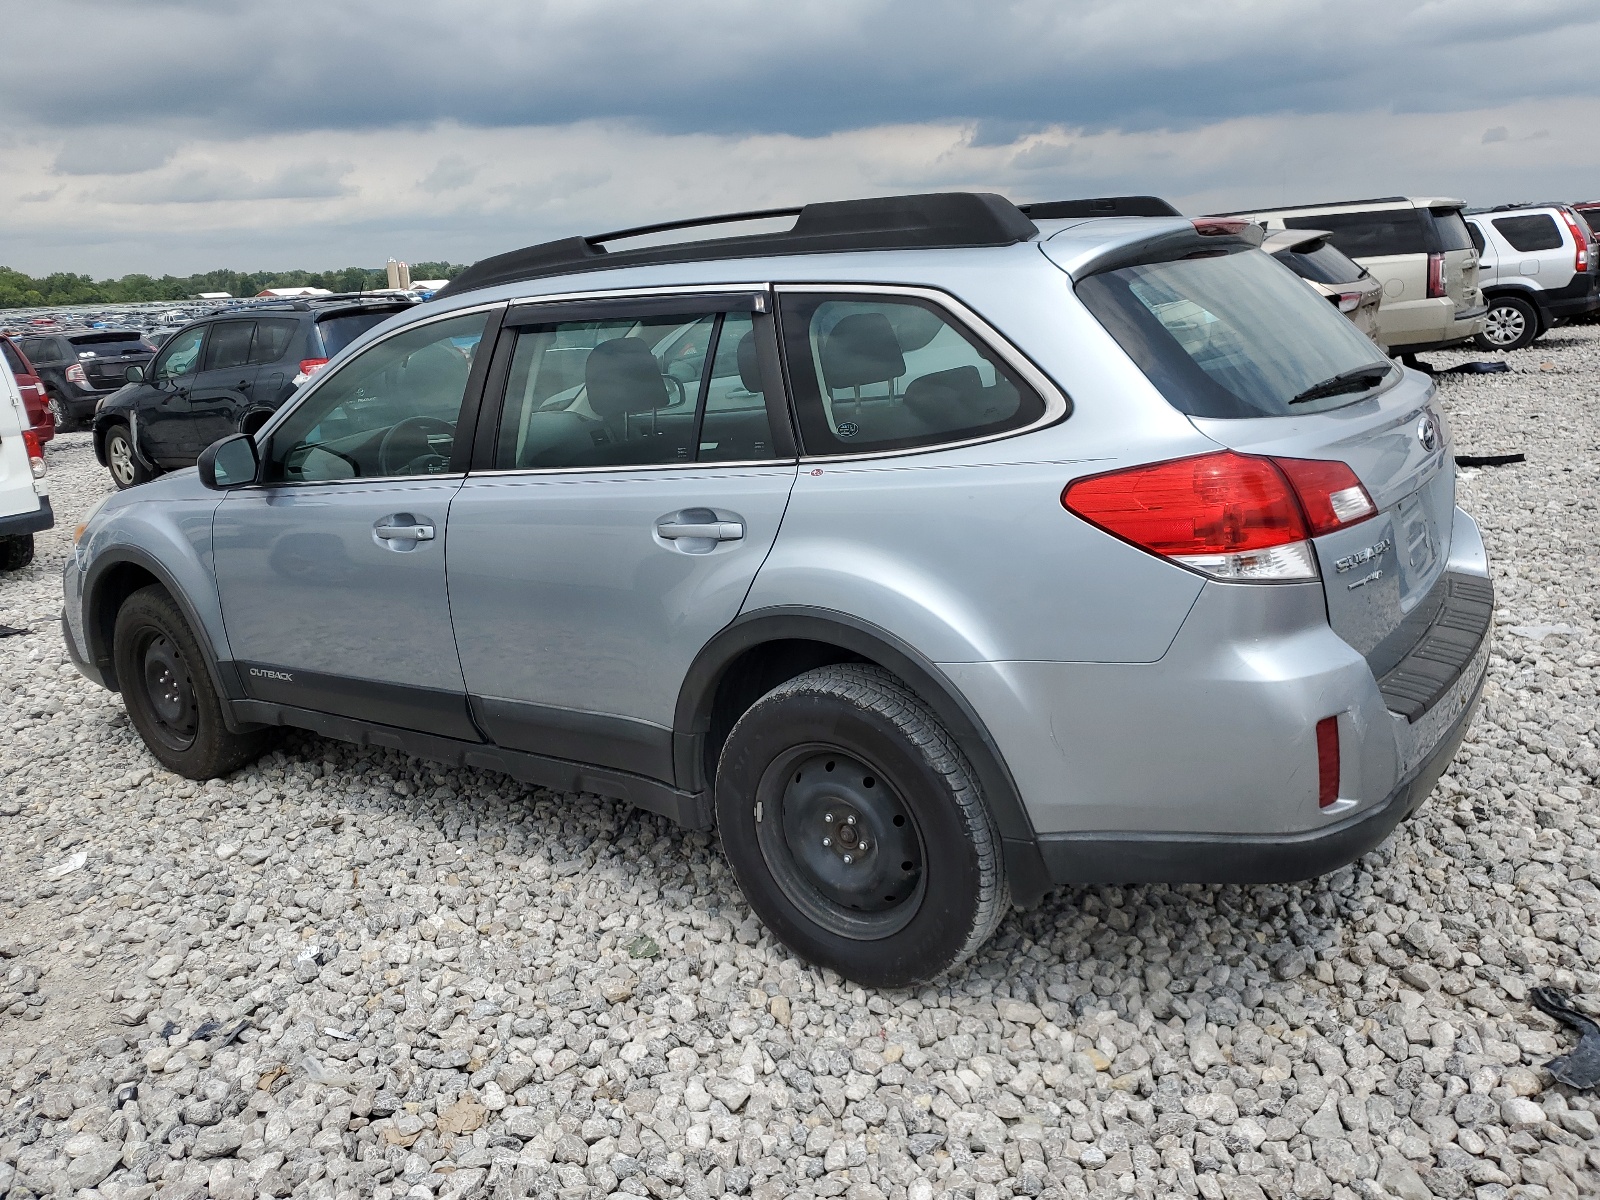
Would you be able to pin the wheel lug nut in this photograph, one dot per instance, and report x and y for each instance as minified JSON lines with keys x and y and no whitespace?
{"x":828,"y":817}
{"x":848,"y":859}
{"x":827,"y":841}
{"x":850,"y":820}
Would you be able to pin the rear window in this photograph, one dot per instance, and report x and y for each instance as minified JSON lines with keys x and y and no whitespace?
{"x":1450,"y":230}
{"x":340,"y":330}
{"x":1229,"y":334}
{"x":112,"y":341}
{"x":1320,"y":262}
{"x":1592,"y":216}
{"x":1536,"y":231}
{"x":1370,"y":234}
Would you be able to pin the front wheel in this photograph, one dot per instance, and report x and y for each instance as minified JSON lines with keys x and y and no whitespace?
{"x":1510,"y":324}
{"x":856,"y":828}
{"x":161,"y":672}
{"x":124,"y":465}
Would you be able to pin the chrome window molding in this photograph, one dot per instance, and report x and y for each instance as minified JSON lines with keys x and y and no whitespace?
{"x":633,"y":468}
{"x":368,"y":480}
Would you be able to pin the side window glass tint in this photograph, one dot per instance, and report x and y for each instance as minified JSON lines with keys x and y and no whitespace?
{"x":13,"y":359}
{"x":273,"y":335}
{"x":1477,"y":237}
{"x":1527,"y":234}
{"x":607,"y":393}
{"x":1369,"y":234}
{"x":390,"y":411}
{"x":180,"y":354}
{"x":871,"y":374}
{"x":229,"y":345}
{"x":735,"y":427}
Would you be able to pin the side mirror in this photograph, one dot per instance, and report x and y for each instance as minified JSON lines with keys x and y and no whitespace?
{"x":229,"y":463}
{"x":134,"y":374}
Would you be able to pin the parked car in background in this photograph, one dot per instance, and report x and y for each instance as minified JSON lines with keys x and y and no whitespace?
{"x":1589,"y":210}
{"x":78,"y":367}
{"x":1346,"y":284}
{"x":1421,"y":253}
{"x":34,"y":401}
{"x":225,"y":374}
{"x":1537,"y":267}
{"x":24,"y":502}
{"x":725,"y":520}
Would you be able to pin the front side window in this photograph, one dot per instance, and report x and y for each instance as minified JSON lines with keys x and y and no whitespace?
{"x":389,"y":411}
{"x":229,"y":345}
{"x":1234,"y":335}
{"x":180,"y":355}
{"x":1537,"y":231}
{"x":1370,"y":234}
{"x":873,"y":374}
{"x":634,"y":391}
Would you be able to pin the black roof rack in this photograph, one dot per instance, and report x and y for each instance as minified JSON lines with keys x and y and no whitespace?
{"x":938,"y":220}
{"x":1100,"y":206}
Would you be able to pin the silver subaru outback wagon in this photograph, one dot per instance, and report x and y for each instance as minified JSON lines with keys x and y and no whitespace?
{"x":935,"y":551}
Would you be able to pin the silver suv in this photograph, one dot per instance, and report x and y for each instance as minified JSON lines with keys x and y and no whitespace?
{"x":935,"y":551}
{"x":1537,"y":270}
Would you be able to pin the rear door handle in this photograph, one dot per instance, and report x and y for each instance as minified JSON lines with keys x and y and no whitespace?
{"x":405,"y":533}
{"x":717,"y":531}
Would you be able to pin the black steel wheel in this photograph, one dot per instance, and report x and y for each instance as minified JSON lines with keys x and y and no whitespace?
{"x":162,"y":673}
{"x":856,"y":828}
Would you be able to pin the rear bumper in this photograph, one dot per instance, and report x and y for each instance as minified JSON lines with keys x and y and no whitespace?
{"x":1580,"y":296}
{"x":1462,"y":329}
{"x":31,"y":522}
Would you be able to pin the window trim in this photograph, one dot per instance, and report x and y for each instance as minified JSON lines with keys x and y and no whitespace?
{"x":719,"y":298}
{"x":466,"y":427}
{"x":1057,"y":404}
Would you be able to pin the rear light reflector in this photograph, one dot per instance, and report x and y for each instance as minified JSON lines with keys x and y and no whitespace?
{"x":1436,"y":276}
{"x":75,"y":374}
{"x":1579,"y":240}
{"x":1348,"y":301}
{"x":1226,"y":515}
{"x":35,"y":445}
{"x":1329,"y":492}
{"x":1327,"y":762}
{"x":1219,"y":226}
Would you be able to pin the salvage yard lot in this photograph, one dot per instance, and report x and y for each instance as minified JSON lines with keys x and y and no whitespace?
{"x":341,"y":973}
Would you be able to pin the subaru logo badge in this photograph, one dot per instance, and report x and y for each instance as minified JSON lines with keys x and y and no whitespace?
{"x":1427,"y":433}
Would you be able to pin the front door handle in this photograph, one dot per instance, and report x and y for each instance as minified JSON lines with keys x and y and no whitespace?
{"x":717,"y":531}
{"x":405,"y":533}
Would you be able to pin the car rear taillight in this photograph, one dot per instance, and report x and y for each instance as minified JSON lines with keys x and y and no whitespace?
{"x":1347,"y":301}
{"x":308,"y":368}
{"x":1226,"y":515}
{"x":1436,"y":277}
{"x":1581,"y":262}
{"x":1219,"y":226}
{"x":75,"y":374}
{"x":1327,"y":762}
{"x":35,"y":445}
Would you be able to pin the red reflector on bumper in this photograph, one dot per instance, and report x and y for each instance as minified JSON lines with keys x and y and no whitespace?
{"x":1327,"y":762}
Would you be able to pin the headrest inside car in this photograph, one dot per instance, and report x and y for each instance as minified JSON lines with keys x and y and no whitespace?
{"x":622,"y":377}
{"x":862,"y":349}
{"x":749,"y":364}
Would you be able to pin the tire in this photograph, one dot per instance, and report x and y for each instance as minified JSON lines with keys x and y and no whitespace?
{"x":161,"y":670}
{"x":912,"y":882}
{"x":16,"y":551}
{"x":126,"y":469}
{"x":1511,"y":324}
{"x":65,"y":422}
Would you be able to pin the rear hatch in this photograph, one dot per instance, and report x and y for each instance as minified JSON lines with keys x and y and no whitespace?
{"x":337,"y":328}
{"x":1453,"y":240}
{"x":106,"y":355}
{"x":1264,"y":367}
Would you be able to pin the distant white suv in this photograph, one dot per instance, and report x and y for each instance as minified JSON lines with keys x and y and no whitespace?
{"x":1419,"y":248}
{"x":1536,"y":268}
{"x":24,"y":507}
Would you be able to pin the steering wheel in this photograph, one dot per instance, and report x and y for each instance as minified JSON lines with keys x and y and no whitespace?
{"x":420,"y":457}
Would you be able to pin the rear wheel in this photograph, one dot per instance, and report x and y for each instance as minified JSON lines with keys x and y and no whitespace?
{"x":16,"y":551}
{"x":856,"y":829}
{"x":1510,"y":324}
{"x":124,"y":465}
{"x":161,"y":671}
{"x":65,"y":422}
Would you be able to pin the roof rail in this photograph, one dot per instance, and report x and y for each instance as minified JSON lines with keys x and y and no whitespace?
{"x":937,"y":220}
{"x":1100,"y":206}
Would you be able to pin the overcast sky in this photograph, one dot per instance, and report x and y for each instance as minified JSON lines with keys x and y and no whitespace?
{"x":182,"y":135}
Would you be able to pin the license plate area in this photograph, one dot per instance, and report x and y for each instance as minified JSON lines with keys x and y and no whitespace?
{"x":1416,"y":545}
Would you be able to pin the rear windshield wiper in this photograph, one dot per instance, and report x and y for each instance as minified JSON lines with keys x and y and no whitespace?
{"x":1357,"y":379}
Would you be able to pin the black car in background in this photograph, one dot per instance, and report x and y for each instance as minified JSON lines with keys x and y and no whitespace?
{"x":224,"y":374}
{"x":80,"y":366}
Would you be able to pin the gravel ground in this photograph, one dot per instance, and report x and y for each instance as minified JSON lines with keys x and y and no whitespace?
{"x":343,"y":974}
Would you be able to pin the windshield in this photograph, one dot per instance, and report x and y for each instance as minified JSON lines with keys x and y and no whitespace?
{"x":1230,"y":334}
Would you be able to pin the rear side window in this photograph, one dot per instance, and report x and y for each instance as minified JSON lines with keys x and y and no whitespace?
{"x":872,"y":374}
{"x":273,"y":335}
{"x":1536,"y":231}
{"x":40,"y":350}
{"x":13,"y":359}
{"x":634,"y":391}
{"x":229,"y":345}
{"x":337,"y":332}
{"x":1321,"y":262}
{"x":1370,"y":234}
{"x":1230,"y":334}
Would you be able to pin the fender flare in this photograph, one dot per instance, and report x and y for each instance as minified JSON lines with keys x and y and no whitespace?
{"x":1534,"y":296}
{"x":94,"y":598}
{"x":692,"y":719}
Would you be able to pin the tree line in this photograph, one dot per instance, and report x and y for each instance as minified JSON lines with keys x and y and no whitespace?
{"x":18,"y":290}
